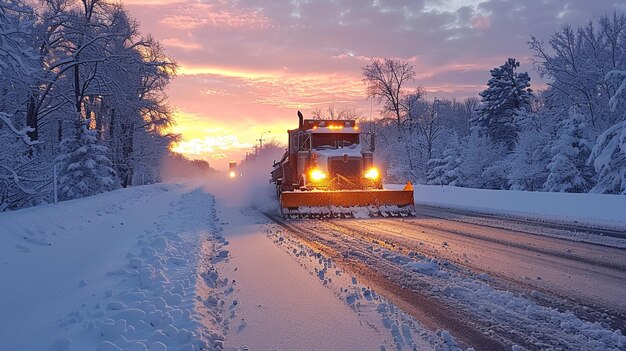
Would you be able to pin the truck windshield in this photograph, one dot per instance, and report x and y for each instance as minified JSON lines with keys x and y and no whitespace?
{"x":334,"y":140}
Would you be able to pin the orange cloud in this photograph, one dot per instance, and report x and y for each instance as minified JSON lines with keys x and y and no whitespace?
{"x":288,"y":89}
{"x":200,"y":15}
{"x":216,"y":92}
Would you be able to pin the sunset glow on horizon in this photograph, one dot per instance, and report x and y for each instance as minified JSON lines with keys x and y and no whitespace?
{"x":247,"y":66}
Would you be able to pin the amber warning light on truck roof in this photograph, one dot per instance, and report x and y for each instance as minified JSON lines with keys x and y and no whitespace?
{"x":333,"y":124}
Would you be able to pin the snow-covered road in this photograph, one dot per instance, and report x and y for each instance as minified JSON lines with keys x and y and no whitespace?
{"x":583,"y":272}
{"x":281,"y":304}
{"x":149,"y":268}
{"x":193,"y":267}
{"x":500,"y":280}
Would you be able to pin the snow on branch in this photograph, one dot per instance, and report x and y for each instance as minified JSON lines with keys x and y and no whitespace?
{"x":619,"y":93}
{"x":22,"y":134}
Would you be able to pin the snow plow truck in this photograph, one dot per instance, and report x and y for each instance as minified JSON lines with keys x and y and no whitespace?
{"x":328,"y":171}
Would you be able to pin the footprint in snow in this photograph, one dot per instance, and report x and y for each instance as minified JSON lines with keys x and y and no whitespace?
{"x":242,"y":326}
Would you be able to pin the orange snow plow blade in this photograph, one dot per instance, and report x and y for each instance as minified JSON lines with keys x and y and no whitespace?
{"x":348,"y":203}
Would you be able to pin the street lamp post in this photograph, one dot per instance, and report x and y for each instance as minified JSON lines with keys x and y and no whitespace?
{"x":260,"y":140}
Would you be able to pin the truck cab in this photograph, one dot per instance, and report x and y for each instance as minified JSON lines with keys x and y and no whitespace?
{"x":232,"y":169}
{"x":327,"y":155}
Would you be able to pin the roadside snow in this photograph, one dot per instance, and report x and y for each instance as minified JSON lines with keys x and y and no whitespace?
{"x":596,"y":209}
{"x":131,"y":269}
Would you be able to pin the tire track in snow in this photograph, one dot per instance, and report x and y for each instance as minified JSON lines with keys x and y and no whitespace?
{"x":501,"y":314}
{"x":432,"y":313}
{"x":472,"y":230}
{"x":472,"y":217}
{"x":411,"y":235}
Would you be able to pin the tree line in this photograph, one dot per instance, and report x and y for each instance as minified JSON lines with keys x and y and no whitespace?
{"x":570,"y":137}
{"x":82,"y":89}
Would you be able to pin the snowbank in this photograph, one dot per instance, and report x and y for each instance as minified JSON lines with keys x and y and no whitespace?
{"x":132,"y":269}
{"x":597,"y":209}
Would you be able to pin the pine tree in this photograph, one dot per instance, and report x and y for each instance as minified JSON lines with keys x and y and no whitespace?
{"x":84,"y":167}
{"x":609,"y":153}
{"x":609,"y":158}
{"x":445,"y":170}
{"x":568,"y":169}
{"x":507,"y":94}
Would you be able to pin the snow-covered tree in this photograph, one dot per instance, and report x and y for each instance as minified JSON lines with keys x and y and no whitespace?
{"x":507,"y":94}
{"x":609,"y":153}
{"x":574,"y":61}
{"x":477,"y":155}
{"x":84,"y":167}
{"x":61,"y":60}
{"x":609,"y":158}
{"x":21,"y":179}
{"x":528,"y":161}
{"x":495,"y":175}
{"x":444,"y":170}
{"x":568,"y":170}
{"x":16,"y":52}
{"x":22,"y":174}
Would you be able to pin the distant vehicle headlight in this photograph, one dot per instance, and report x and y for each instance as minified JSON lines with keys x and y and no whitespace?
{"x":232,"y":174}
{"x":317,"y":175}
{"x":372,"y":174}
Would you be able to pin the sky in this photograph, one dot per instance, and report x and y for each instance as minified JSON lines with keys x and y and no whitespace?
{"x":247,"y":66}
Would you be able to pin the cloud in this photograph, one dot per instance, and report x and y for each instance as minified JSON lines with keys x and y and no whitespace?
{"x":153,"y":2}
{"x":179,"y":43}
{"x":481,"y":22}
{"x":249,"y":64}
{"x":219,"y":156}
{"x":284,"y":88}
{"x":217,"y":14}
{"x":216,"y":92}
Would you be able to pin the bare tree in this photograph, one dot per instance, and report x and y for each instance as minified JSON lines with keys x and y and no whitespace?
{"x":385,"y":79}
{"x":332,"y":113}
{"x":430,"y":127}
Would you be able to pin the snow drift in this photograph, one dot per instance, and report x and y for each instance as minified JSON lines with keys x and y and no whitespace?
{"x":596,"y":209}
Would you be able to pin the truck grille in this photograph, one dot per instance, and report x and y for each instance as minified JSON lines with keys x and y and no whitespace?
{"x":350,"y":169}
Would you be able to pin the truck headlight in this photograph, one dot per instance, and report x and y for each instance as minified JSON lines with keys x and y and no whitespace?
{"x":317,"y":175}
{"x":372,"y":174}
{"x":232,"y":174}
